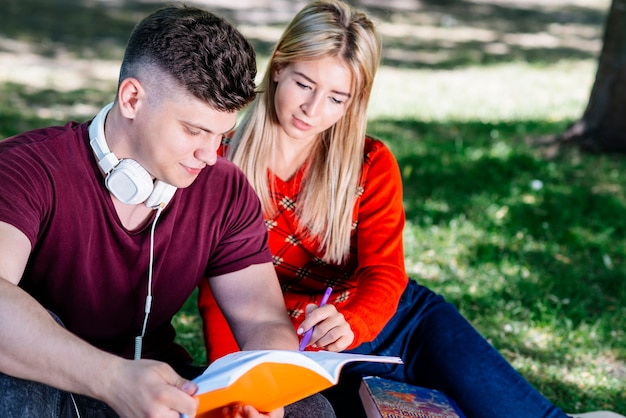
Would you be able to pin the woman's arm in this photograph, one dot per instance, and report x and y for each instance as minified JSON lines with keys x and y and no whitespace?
{"x":381,"y":275}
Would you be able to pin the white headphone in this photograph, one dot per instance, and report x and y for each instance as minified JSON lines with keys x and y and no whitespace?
{"x":126,"y":179}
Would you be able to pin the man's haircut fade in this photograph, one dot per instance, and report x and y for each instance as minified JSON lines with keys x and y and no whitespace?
{"x":204,"y":53}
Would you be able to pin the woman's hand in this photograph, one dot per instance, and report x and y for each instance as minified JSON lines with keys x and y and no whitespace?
{"x":241,"y":411}
{"x":332,"y":332}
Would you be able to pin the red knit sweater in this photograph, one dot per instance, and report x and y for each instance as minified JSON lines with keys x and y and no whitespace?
{"x":366,"y":288}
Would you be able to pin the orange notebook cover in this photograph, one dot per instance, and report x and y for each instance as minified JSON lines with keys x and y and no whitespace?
{"x":270,"y":379}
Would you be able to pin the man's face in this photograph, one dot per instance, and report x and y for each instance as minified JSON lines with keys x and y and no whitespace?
{"x":178,"y":136}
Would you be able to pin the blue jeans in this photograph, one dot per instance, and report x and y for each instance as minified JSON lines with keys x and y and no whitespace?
{"x":441,"y":350}
{"x":25,"y":399}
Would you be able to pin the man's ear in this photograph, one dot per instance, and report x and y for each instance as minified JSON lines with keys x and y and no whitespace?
{"x":129,"y":97}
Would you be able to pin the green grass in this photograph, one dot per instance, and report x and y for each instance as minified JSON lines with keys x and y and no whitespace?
{"x":531,"y":249}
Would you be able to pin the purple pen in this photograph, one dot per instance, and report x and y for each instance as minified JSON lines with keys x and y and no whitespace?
{"x":307,"y":335}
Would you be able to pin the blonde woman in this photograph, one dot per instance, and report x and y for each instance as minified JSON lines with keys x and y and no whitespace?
{"x":332,"y":201}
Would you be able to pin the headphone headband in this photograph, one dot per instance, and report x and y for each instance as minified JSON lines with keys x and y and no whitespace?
{"x":106,"y":159}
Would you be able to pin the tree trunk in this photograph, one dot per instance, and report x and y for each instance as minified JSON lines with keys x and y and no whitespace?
{"x":602,"y":127}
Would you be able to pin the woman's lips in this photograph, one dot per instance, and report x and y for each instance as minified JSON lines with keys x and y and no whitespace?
{"x":301,"y":125}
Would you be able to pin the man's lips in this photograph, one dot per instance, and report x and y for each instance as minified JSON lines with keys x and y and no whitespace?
{"x":193,"y":170}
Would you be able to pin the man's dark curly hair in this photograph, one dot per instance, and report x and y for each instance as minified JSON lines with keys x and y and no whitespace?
{"x":204,"y":53}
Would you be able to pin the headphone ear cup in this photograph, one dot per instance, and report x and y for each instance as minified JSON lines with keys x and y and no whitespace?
{"x":129,"y":182}
{"x":161,"y":195}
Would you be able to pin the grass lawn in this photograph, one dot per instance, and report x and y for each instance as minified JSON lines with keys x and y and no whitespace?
{"x":530,"y":247}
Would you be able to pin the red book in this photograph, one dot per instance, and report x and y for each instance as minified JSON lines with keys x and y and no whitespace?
{"x":384,"y":398}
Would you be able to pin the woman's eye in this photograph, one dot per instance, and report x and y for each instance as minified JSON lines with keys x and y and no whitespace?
{"x":336,"y":101}
{"x":302,"y":85}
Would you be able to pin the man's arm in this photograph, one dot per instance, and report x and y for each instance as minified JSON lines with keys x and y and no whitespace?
{"x":253,"y":305}
{"x":34,"y":347}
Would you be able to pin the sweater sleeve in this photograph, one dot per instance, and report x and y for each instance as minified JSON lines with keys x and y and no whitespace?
{"x":381,"y":275}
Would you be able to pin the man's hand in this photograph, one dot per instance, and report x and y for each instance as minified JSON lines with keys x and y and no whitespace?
{"x":147,"y":388}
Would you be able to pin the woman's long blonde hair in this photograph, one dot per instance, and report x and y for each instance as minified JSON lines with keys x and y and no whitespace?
{"x":329,"y":189}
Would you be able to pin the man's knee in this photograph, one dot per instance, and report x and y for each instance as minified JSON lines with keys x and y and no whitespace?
{"x":23,"y":398}
{"x":313,"y":406}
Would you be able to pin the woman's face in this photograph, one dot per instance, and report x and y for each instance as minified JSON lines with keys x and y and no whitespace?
{"x":311,"y":96}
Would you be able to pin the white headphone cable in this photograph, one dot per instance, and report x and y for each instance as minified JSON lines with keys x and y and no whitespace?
{"x":75,"y":406}
{"x":139,"y":338}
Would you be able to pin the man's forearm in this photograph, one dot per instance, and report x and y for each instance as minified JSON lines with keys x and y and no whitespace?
{"x":33,"y":346}
{"x":272,"y":336}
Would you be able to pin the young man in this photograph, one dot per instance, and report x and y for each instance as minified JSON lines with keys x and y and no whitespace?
{"x":96,"y":256}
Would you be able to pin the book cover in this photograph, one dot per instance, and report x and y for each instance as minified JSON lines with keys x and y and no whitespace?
{"x":383,"y":398}
{"x":270,"y":379}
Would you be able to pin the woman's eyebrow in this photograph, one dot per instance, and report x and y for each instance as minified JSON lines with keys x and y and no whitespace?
{"x":341,"y":93}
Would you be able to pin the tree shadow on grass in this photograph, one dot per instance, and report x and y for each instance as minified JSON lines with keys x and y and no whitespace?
{"x":428,"y":34}
{"x":21,"y":106}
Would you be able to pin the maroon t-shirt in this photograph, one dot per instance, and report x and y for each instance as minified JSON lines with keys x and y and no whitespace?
{"x":91,"y":271}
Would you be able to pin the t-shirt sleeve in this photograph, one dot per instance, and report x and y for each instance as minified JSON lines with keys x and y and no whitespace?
{"x":243,"y":240}
{"x":25,"y":190}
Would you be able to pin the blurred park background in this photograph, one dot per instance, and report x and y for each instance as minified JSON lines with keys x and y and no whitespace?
{"x":528,"y":241}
